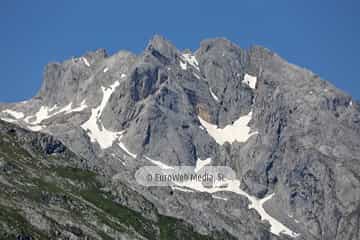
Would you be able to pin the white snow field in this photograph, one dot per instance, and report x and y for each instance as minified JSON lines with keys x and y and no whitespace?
{"x":95,"y":128}
{"x":238,"y":131}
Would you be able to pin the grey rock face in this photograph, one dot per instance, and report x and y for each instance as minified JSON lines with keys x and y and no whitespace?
{"x":306,"y":151}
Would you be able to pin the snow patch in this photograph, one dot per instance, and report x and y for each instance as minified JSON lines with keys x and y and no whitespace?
{"x":121,"y":161}
{"x":196,"y":75}
{"x":14,"y":114}
{"x":10,"y":120}
{"x":183,"y":65}
{"x":27,"y":119}
{"x":220,"y":198}
{"x":123,"y":147}
{"x":190,"y":59}
{"x":42,"y":114}
{"x":95,"y":129}
{"x":201,"y":163}
{"x":250,"y":80}
{"x":255,"y":203}
{"x":238,"y":131}
{"x":80,"y":108}
{"x":123,"y":75}
{"x":213,"y":95}
{"x":85,"y":61}
{"x":181,"y":189}
{"x":53,"y":108}
{"x":158,"y":163}
{"x":106,"y":69}
{"x":46,"y":112}
{"x":230,"y":185}
{"x":35,"y":128}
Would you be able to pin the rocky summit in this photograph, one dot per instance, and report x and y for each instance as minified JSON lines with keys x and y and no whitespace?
{"x":69,"y":155}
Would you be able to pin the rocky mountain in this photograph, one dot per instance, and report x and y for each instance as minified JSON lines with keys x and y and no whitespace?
{"x":292,"y":139}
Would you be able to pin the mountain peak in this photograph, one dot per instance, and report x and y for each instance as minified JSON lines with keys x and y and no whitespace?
{"x":217,"y":42}
{"x":159,"y":45}
{"x":96,"y":55}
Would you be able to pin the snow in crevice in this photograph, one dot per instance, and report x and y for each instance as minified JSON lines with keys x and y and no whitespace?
{"x":80,"y":108}
{"x":196,"y":75}
{"x":94,"y":128}
{"x":123,"y":147}
{"x":158,"y":163}
{"x":238,"y":131}
{"x":10,"y":120}
{"x":181,"y":189}
{"x":250,"y":80}
{"x":213,"y":95}
{"x":35,"y":128}
{"x":121,"y":161}
{"x":43,"y":113}
{"x":220,"y":198}
{"x":234,"y":186}
{"x":27,"y":119}
{"x":201,"y":163}
{"x":46,"y":112}
{"x":183,"y":65}
{"x":231,"y":185}
{"x":14,"y":114}
{"x":85,"y":61}
{"x":106,"y":69}
{"x":53,"y":108}
{"x":189,"y":59}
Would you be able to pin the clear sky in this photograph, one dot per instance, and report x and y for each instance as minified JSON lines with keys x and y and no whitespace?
{"x":323,"y":36}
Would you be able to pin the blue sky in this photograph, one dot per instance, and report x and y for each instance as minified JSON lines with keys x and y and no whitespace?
{"x":322,"y":36}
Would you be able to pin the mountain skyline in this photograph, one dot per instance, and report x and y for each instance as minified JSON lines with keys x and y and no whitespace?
{"x":317,"y":40}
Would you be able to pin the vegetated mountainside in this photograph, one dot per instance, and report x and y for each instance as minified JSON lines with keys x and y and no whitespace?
{"x":292,"y":138}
